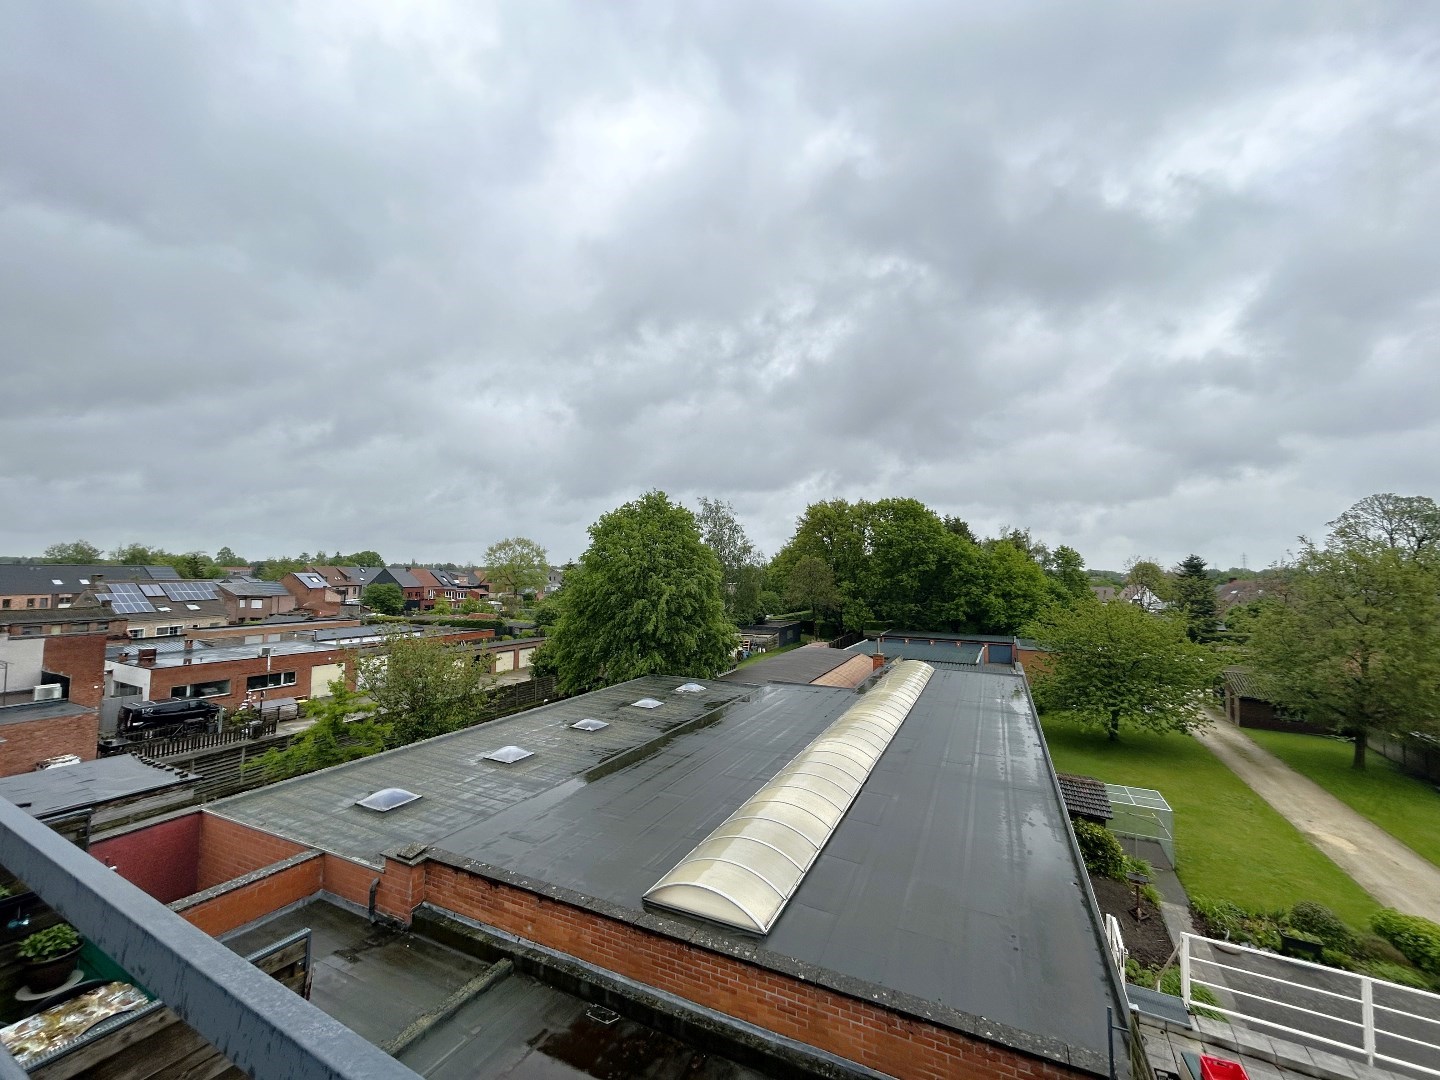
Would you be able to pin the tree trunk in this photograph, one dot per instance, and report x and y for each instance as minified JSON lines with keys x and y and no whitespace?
{"x":1114,"y":725}
{"x":1359,"y":760}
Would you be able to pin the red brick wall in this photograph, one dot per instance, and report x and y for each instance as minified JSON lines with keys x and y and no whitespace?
{"x":256,"y":899}
{"x":229,"y":850}
{"x":162,"y":859}
{"x":82,"y":658}
{"x":858,"y":1030}
{"x":164,"y":680}
{"x":29,"y":743}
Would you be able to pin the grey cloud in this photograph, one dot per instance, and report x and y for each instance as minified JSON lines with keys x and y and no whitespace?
{"x":1145,"y":279}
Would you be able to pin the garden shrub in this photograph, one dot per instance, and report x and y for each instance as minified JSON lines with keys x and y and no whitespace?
{"x":1418,"y":939}
{"x":1374,"y":947}
{"x":1319,"y":922}
{"x":1397,"y":973}
{"x":1101,"y":850}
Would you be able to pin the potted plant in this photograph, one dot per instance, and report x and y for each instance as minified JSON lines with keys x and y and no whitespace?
{"x":49,"y":957}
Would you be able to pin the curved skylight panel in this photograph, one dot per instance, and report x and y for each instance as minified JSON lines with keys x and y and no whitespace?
{"x":745,"y":872}
{"x":690,"y":688}
{"x":647,"y":703}
{"x":589,"y":724}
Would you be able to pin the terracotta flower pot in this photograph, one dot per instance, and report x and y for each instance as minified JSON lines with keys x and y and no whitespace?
{"x":42,"y":976}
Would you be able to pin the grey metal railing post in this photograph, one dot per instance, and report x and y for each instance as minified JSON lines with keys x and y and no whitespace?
{"x":1367,"y":1015}
{"x":1185,"y":940}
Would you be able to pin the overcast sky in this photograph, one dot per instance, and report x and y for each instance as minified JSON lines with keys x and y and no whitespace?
{"x":1146,"y":278}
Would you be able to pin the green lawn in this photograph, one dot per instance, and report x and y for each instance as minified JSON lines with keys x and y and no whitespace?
{"x":1230,"y":844}
{"x":1407,"y":808}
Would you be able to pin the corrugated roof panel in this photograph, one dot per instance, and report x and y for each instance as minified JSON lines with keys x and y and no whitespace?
{"x":746,"y":870}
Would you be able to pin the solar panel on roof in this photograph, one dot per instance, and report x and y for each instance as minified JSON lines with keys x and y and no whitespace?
{"x":127,"y":599}
{"x":387,"y":799}
{"x":152,"y":590}
{"x":190,"y":590}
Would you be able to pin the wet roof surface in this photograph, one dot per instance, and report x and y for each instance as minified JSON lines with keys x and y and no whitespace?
{"x":941,"y":651}
{"x":456,"y":785}
{"x":803,"y":665}
{"x":68,"y":787}
{"x":951,"y":878}
{"x":377,"y":981}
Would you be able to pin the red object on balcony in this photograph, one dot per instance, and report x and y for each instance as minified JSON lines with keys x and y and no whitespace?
{"x":1213,"y":1068}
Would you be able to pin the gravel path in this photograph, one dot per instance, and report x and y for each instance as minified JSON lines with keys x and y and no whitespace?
{"x":1381,"y":865}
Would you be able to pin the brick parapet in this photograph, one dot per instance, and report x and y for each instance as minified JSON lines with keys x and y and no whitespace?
{"x":875,"y":1026}
{"x":255,"y":895}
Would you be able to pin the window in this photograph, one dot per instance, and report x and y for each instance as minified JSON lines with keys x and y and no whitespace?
{"x":135,"y":633}
{"x":30,"y":601}
{"x":30,"y":631}
{"x":5,"y":602}
{"x":270,"y":680}
{"x":169,"y":631}
{"x":214,"y":688}
{"x":121,"y":689}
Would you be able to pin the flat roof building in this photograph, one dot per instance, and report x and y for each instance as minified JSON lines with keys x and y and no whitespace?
{"x":945,"y":928}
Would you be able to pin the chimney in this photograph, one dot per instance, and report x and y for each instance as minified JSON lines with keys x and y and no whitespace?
{"x":147,"y":657}
{"x":97,"y":579}
{"x":189,"y":644}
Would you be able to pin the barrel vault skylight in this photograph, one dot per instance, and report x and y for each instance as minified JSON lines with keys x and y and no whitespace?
{"x":744,"y":873}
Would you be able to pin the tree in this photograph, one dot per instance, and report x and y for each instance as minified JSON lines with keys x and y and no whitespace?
{"x":226,"y":557}
{"x":739,"y":558}
{"x":195,"y":564}
{"x":424,"y":687}
{"x":644,"y":599}
{"x":1353,"y":639}
{"x":361,"y":558}
{"x":136,"y":555}
{"x":1194,"y":595}
{"x":516,"y":566}
{"x":344,"y":730}
{"x":811,"y":586}
{"x":1014,"y":589}
{"x":1066,"y":570}
{"x":960,"y":528}
{"x":1147,"y":572}
{"x":77,"y":551}
{"x":1408,"y":524}
{"x":1114,"y":667}
{"x":385,"y":597}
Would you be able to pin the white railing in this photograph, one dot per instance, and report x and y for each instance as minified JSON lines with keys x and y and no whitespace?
{"x":1352,"y":1014}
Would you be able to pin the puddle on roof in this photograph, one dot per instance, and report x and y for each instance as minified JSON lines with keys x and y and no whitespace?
{"x":621,"y":1050}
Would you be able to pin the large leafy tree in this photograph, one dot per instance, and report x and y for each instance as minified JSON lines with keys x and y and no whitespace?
{"x":76,"y":551}
{"x":740,"y":560}
{"x":423,"y":686}
{"x":385,"y":597}
{"x":1148,"y":572}
{"x":644,"y":599}
{"x":516,"y":566}
{"x":344,"y":729}
{"x":1353,"y":640}
{"x":1065,"y":567}
{"x":811,"y":586}
{"x":1194,"y":596}
{"x":1013,"y":588}
{"x":1114,"y":667}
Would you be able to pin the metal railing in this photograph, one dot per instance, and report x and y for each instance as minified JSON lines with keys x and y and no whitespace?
{"x":1351,"y":1014}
